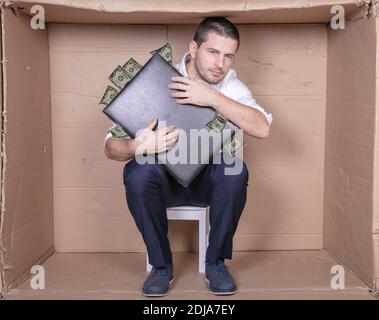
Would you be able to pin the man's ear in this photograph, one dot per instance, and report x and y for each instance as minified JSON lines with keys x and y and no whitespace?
{"x":193,"y":49}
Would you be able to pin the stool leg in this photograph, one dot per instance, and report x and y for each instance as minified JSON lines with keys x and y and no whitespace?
{"x":202,"y":242}
{"x":148,"y":265}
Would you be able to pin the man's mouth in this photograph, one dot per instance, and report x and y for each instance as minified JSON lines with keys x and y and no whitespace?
{"x":216,"y":73}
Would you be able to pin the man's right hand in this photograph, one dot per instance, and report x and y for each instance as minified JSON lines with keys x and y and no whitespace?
{"x":150,"y":142}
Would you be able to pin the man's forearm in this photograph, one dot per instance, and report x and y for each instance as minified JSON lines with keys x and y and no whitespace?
{"x":120,"y":149}
{"x":252,"y":121}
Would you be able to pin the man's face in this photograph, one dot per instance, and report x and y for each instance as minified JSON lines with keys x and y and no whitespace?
{"x":214,"y":57}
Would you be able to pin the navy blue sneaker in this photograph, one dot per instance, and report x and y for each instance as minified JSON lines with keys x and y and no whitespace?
{"x":219,"y":278}
{"x":157,"y":283}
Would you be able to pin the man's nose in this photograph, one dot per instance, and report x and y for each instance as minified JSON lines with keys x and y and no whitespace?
{"x":220,"y":62}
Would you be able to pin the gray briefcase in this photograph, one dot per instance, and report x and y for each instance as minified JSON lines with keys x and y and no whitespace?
{"x":147,"y":96}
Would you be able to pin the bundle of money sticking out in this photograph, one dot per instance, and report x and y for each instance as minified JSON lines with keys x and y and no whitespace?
{"x":144,"y":94}
{"x":121,"y":76}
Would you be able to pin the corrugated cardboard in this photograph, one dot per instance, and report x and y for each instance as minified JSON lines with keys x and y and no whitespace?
{"x":88,"y":191}
{"x":1,"y":160}
{"x":186,"y":12}
{"x":312,"y":181}
{"x":26,"y":224}
{"x":376,"y":168}
{"x":350,"y":141}
{"x":258,"y":274}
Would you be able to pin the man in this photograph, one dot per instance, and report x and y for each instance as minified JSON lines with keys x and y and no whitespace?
{"x":209,"y":81}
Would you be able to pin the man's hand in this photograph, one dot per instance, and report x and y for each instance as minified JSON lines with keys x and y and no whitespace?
{"x":150,"y":142}
{"x":192,"y":91}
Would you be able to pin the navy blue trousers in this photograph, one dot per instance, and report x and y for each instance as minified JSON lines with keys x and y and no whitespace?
{"x":149,"y":190}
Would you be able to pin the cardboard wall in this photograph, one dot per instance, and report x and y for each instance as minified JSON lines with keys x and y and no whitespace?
{"x":286,"y":70}
{"x":185,"y":12}
{"x":27,"y":230}
{"x":350,"y":139}
{"x":284,"y":66}
{"x":1,"y":158}
{"x":376,"y":170}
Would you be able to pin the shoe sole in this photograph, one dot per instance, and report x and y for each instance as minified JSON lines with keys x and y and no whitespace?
{"x":225,"y":293}
{"x":159,"y":294}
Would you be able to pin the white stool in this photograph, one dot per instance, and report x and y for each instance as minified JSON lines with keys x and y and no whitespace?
{"x":191,"y":213}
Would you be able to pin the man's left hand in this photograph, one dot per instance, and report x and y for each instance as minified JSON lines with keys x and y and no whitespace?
{"x":192,"y":91}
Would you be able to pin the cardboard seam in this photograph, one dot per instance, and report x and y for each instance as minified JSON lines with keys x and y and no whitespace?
{"x":27,"y":274}
{"x":3,"y":289}
{"x":374,"y":8}
{"x":366,"y":8}
{"x":371,"y":7}
{"x":17,"y":11}
{"x":311,"y":290}
{"x":370,"y":286}
{"x":375,"y":292}
{"x":244,"y":7}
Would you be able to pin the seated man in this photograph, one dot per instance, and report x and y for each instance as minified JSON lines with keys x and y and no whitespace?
{"x":208,"y":81}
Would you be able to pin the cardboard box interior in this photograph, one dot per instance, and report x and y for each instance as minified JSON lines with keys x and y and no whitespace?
{"x":312,"y":181}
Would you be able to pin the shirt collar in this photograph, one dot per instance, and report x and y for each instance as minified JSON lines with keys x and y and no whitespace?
{"x":182,"y":64}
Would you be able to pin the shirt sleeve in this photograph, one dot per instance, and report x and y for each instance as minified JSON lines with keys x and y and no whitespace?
{"x":242,"y":94}
{"x":108,"y":134}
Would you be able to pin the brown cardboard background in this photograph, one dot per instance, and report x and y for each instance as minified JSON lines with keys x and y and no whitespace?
{"x":278,"y":275}
{"x":24,"y":247}
{"x":350,"y":128}
{"x":287,"y":76}
{"x":1,"y":148}
{"x":281,"y":72}
{"x":376,"y":168}
{"x":186,"y":12}
{"x":27,"y":231}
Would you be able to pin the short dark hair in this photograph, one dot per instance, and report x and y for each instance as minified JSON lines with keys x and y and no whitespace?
{"x":220,"y":25}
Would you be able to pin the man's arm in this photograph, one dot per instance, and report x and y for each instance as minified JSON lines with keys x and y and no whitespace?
{"x":147,"y":141}
{"x":120,"y":149}
{"x":200,"y":93}
{"x":251,"y":120}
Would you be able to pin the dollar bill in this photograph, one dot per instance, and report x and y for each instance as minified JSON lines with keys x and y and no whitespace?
{"x":217,"y":123}
{"x":119,"y":77}
{"x":109,"y":95}
{"x":165,"y":52}
{"x":233,"y":145}
{"x":132,"y":67}
{"x":118,"y":133}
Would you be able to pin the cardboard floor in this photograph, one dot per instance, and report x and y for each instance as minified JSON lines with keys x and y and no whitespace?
{"x":259,"y":275}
